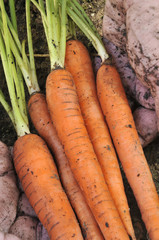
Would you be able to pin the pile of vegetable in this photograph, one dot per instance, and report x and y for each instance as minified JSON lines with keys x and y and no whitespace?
{"x":69,"y":169}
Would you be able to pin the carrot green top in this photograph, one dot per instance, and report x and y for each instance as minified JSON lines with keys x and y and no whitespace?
{"x":27,"y":66}
{"x":54,"y":21}
{"x":79,"y":16}
{"x":17,"y":110}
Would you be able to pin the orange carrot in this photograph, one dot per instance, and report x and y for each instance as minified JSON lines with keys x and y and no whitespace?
{"x":70,"y":127}
{"x":65,"y":112}
{"x":41,"y":119}
{"x":124,"y":134}
{"x":78,"y":62}
{"x":39,"y":177}
{"x":121,"y":125}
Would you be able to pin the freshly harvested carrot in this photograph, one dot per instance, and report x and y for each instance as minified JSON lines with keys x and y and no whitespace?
{"x":122,"y":127}
{"x":92,"y":183}
{"x":39,"y":177}
{"x":78,"y":63}
{"x":125,"y":137}
{"x":65,"y":112}
{"x":41,"y":119}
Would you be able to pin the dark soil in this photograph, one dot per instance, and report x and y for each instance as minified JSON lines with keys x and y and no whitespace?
{"x":95,"y":10}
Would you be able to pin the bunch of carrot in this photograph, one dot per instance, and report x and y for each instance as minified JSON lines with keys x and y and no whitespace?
{"x":118,"y":116}
{"x":76,"y":120}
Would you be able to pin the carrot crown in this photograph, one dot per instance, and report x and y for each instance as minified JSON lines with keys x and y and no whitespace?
{"x":81,"y":19}
{"x":54,"y":21}
{"x":17,"y":110}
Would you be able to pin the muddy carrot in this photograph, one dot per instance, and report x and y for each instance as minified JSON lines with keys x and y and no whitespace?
{"x":125,"y":137}
{"x":78,"y":62}
{"x":40,"y":117}
{"x":92,"y":184}
{"x":120,"y":121}
{"x":65,"y":112}
{"x":42,"y":121}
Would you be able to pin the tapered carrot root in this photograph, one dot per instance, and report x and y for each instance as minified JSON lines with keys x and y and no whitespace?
{"x":78,"y":63}
{"x":39,"y":177}
{"x":122,"y":127}
{"x":41,"y":119}
{"x":65,"y":112}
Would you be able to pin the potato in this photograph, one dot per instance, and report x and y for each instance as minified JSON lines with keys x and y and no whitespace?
{"x":24,"y":207}
{"x":146,"y":125}
{"x":5,"y":159}
{"x":7,"y":236}
{"x":142,"y":27}
{"x":25,"y":228}
{"x":114,"y":27}
{"x":9,"y":191}
{"x":8,"y":200}
{"x":41,"y":232}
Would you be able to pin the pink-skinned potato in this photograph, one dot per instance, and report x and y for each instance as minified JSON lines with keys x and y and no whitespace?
{"x":24,"y":207}
{"x":8,"y":236}
{"x":114,"y":27}
{"x":132,"y":85}
{"x":146,"y":125}
{"x":41,"y":232}
{"x":25,"y":228}
{"x":9,"y":193}
{"x":5,"y":159}
{"x":142,"y":27}
{"x":8,"y":200}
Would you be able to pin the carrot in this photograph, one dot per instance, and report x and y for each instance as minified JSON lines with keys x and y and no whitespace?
{"x":78,"y":63}
{"x":65,"y":112}
{"x":99,"y":201}
{"x":41,"y":119}
{"x":122,"y":127}
{"x":39,"y":177}
{"x":123,"y":132}
{"x":33,"y":161}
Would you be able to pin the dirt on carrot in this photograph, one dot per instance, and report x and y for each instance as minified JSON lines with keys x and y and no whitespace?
{"x":120,"y":121}
{"x":41,"y":119}
{"x":95,"y":9}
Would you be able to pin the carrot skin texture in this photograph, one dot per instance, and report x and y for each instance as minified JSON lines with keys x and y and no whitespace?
{"x":41,"y":119}
{"x":39,"y":177}
{"x":125,"y":137}
{"x":83,"y":75}
{"x":65,"y":112}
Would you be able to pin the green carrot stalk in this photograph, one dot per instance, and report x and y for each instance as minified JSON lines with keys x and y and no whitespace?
{"x":20,"y":124}
{"x":7,"y":107}
{"x":27,"y":67}
{"x":54,"y":22}
{"x":16,"y":70}
{"x":13,"y":14}
{"x":78,"y":15}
